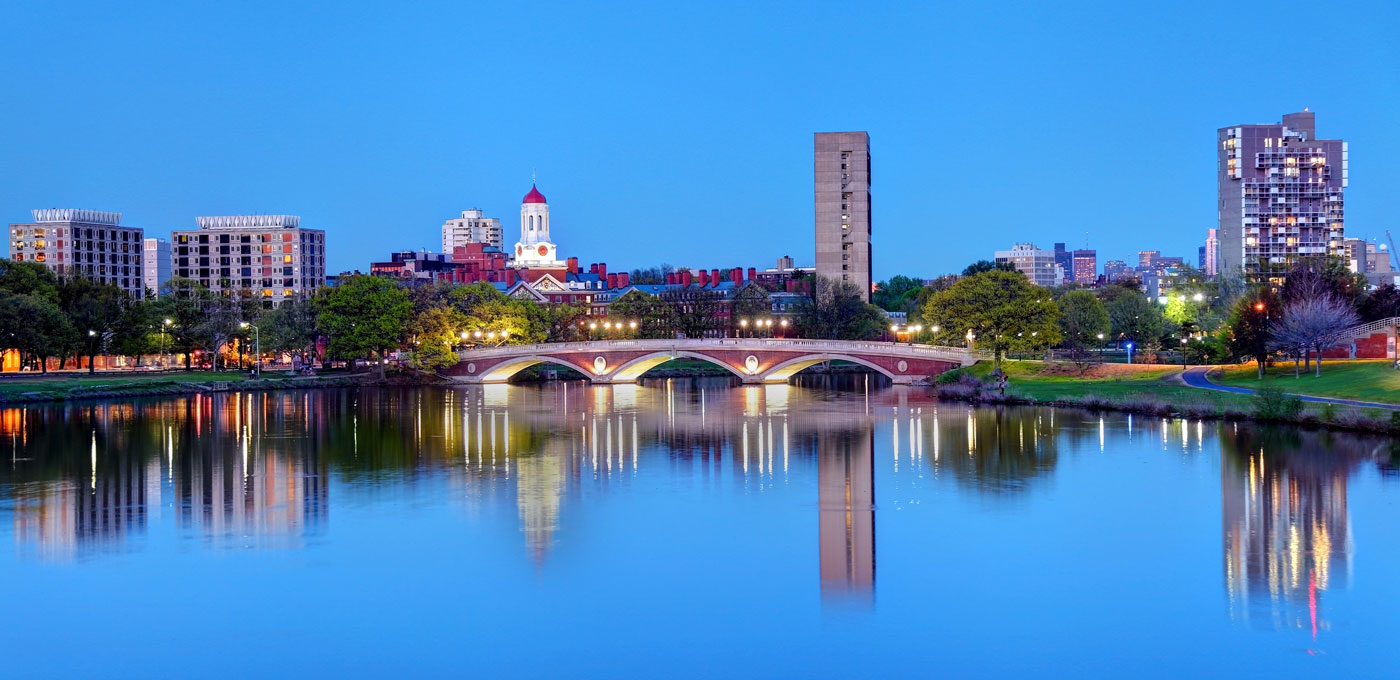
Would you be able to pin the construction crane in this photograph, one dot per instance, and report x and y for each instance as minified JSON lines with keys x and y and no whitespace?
{"x":1394,"y":258}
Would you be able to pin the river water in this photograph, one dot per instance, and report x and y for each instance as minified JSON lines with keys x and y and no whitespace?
{"x":685,"y":528}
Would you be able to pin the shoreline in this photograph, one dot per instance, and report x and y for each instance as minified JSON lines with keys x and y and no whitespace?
{"x":1354,"y":421}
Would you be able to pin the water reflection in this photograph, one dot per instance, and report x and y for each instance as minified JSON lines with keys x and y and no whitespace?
{"x":1287,"y":534}
{"x":257,"y":470}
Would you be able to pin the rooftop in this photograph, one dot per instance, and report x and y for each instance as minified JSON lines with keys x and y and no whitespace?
{"x":248,"y":221}
{"x":75,"y":215}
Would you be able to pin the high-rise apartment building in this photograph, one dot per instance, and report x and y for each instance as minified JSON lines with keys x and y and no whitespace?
{"x":1280,"y":195}
{"x":155,"y":264}
{"x":471,"y":227}
{"x":842,"y":186}
{"x":1211,"y":263}
{"x":1038,"y":265}
{"x":87,"y":243}
{"x":268,"y":257}
{"x":1086,"y":266}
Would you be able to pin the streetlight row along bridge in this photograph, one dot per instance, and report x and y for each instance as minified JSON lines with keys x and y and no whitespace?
{"x":754,"y":360}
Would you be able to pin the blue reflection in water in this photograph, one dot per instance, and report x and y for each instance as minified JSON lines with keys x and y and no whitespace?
{"x":685,"y":527}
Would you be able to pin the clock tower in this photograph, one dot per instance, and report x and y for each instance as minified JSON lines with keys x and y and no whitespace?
{"x":534,"y":250}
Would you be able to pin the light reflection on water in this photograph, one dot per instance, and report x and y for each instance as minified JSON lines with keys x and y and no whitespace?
{"x":997,"y":515}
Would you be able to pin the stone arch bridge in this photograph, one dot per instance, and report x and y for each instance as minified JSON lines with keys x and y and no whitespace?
{"x":754,"y":360}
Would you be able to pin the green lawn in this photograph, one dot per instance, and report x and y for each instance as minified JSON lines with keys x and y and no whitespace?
{"x":66,"y":383}
{"x":1027,"y":379}
{"x":1363,"y":380}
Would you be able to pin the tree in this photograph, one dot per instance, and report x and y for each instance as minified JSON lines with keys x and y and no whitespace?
{"x":650,"y":275}
{"x":33,"y":326}
{"x":497,"y":316}
{"x":1317,"y":277}
{"x":182,"y":302}
{"x":838,"y":311}
{"x":134,"y":333}
{"x":655,"y":318}
{"x":291,"y":328}
{"x":1133,"y":317}
{"x":1000,"y":310}
{"x":565,"y":323}
{"x":987,"y":266}
{"x":94,"y":310}
{"x":897,"y":294}
{"x":28,"y":278}
{"x":750,"y":302}
{"x":435,"y":331}
{"x":364,"y":315}
{"x":1083,"y":322}
{"x":1250,"y":335}
{"x":1381,"y":303}
{"x":1307,"y":324}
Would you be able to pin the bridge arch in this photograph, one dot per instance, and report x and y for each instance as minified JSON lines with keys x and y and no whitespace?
{"x":503,"y":371}
{"x":632,"y":370}
{"x":785,"y":370}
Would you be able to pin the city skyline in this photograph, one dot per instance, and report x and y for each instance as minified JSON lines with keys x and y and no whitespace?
{"x":361,"y":149}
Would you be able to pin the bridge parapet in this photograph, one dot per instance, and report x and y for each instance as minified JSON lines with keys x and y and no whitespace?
{"x":755,"y":360}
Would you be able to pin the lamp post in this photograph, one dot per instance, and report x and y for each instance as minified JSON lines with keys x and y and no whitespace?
{"x":1130,"y":352}
{"x":1183,"y":354}
{"x":257,"y":348}
{"x":165,"y":343}
{"x":1100,"y":347}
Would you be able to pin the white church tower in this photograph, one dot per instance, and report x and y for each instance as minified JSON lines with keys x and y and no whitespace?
{"x":534,"y":250}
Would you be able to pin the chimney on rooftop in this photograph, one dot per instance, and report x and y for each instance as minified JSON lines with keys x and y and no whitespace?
{"x":714,"y":277}
{"x":704,"y":278}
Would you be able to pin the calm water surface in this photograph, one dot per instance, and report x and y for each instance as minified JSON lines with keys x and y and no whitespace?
{"x":685,"y":529}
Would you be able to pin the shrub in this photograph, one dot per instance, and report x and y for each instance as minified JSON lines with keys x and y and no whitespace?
{"x":1272,"y":403}
{"x":1395,"y":420}
{"x":1329,"y":413}
{"x":1200,"y":410}
{"x":950,"y":377}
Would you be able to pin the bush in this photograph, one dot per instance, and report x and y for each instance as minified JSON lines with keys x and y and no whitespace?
{"x":1395,"y":420}
{"x":1272,"y":403}
{"x":950,"y":377}
{"x":1329,"y":413}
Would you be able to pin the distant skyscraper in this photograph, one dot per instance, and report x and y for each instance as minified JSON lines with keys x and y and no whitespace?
{"x":1086,"y":267}
{"x":1280,"y":193}
{"x":1114,"y":270}
{"x":1065,"y":258}
{"x":1147,"y":257}
{"x":842,"y":186}
{"x":266,"y":257}
{"x":1038,"y":265}
{"x":471,"y":227}
{"x":87,"y":243}
{"x":1211,"y":265}
{"x":155,"y":264}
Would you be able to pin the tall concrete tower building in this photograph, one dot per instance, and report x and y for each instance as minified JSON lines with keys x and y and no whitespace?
{"x":842,"y":184}
{"x":1280,"y":196}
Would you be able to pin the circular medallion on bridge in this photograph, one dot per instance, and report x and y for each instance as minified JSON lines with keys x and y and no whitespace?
{"x":751,"y":363}
{"x":903,"y":366}
{"x":599,"y":364}
{"x":471,"y":367}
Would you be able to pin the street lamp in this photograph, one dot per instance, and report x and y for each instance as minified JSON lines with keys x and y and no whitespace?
{"x":1183,"y":354}
{"x":165,"y":344}
{"x":257,"y":348}
{"x":1130,"y":352}
{"x":1100,"y":347}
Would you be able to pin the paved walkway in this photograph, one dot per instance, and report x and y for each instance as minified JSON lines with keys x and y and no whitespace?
{"x":1196,"y":377}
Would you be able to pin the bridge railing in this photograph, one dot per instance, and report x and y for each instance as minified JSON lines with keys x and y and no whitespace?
{"x":814,"y":345}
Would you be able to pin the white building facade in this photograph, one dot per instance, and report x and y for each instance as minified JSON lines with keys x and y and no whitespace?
{"x":471,"y":227}
{"x":155,"y":264}
{"x":1038,"y":265}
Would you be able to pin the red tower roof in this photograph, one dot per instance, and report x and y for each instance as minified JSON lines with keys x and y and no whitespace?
{"x":534,"y":196}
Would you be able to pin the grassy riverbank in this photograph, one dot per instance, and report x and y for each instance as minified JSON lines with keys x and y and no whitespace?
{"x":68,"y":386}
{"x":1361,"y":380}
{"x":1155,"y":390}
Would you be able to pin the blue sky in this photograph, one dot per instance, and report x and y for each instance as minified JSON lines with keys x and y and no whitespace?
{"x":681,"y":133}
